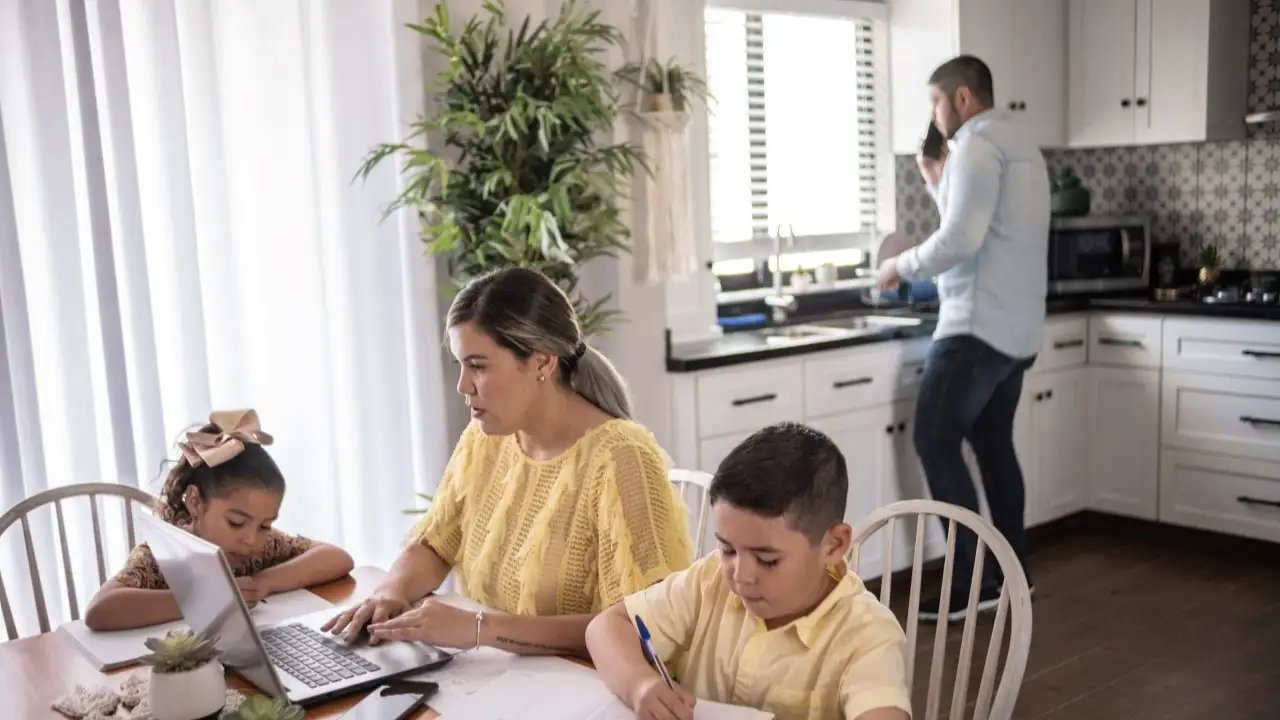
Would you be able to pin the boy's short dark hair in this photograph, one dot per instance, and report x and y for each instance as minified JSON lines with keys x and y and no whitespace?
{"x":965,"y":71}
{"x":786,"y":469}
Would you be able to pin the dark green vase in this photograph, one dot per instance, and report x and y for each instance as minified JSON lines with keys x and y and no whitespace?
{"x":1067,"y":197}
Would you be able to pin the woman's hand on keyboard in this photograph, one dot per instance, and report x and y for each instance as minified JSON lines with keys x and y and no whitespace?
{"x":378,"y":608}
{"x":434,"y":622}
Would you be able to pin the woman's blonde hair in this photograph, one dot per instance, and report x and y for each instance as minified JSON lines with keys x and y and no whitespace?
{"x":525,"y":312}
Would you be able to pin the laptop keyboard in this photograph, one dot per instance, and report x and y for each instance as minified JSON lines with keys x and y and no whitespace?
{"x":311,"y":657}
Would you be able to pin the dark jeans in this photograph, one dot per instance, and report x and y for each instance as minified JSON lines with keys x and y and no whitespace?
{"x":970,"y":391}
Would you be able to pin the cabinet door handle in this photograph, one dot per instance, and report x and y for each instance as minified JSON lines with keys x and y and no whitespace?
{"x":902,"y":427}
{"x":1257,"y":501}
{"x":1260,"y":353}
{"x":1124,"y":103}
{"x":920,"y":370}
{"x":1013,"y":105}
{"x":1251,"y":420}
{"x":889,"y":429}
{"x":1022,"y":105}
{"x":1120,"y":342}
{"x":1064,"y":344}
{"x":1141,"y":102}
{"x":739,"y":402}
{"x":1048,"y":395}
{"x":840,"y":384}
{"x":1039,"y":397}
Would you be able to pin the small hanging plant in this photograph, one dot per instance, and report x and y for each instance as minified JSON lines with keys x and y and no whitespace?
{"x":665,"y":87}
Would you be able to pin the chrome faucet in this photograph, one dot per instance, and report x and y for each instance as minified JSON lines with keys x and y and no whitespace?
{"x":780,"y":302}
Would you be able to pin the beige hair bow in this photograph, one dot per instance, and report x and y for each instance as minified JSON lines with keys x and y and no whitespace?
{"x":232,"y":430}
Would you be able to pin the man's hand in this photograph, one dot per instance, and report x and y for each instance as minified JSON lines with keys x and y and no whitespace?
{"x":889,"y":279}
{"x":653,"y":700}
{"x":930,"y":169}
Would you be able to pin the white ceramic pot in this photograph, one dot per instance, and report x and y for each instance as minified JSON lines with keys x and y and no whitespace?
{"x":188,"y":695}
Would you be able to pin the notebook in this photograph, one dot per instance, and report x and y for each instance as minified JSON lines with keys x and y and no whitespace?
{"x":121,"y":648}
{"x":555,"y":689}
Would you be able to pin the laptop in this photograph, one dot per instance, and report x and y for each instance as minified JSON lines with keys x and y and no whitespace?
{"x":291,"y":659}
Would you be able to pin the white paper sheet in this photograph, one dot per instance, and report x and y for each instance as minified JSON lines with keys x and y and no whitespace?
{"x":120,"y":648}
{"x":556,"y":689}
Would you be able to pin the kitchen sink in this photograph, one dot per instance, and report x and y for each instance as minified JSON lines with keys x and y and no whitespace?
{"x":801,"y":333}
{"x":868,"y":323}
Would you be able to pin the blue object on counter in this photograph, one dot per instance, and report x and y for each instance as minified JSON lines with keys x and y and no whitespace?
{"x":917,"y":291}
{"x":743,"y":321}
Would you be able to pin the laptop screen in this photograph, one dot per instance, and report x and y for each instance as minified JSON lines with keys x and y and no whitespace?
{"x":204,"y":587}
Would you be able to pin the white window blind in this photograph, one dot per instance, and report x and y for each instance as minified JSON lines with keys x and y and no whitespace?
{"x":793,"y":137}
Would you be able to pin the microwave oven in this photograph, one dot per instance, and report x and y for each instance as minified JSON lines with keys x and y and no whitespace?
{"x":1098,"y":253}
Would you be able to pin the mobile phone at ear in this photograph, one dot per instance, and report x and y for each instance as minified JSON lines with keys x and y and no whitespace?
{"x":394,"y":701}
{"x":933,"y":142}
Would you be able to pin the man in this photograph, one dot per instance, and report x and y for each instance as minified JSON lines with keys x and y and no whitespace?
{"x":989,"y":255}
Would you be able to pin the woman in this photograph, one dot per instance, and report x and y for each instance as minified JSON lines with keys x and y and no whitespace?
{"x":554,"y":506}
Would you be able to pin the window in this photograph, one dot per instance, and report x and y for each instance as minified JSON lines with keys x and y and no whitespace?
{"x":795,"y":139}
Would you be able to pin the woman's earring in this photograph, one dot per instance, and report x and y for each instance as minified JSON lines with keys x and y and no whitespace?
{"x":542,"y":378}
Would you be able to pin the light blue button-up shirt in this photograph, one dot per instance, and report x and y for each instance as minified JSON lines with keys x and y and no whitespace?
{"x":990,"y":252}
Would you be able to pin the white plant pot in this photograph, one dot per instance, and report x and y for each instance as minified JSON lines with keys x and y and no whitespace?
{"x":188,"y":695}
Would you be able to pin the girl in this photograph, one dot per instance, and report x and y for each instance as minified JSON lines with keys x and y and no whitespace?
{"x":227,"y":490}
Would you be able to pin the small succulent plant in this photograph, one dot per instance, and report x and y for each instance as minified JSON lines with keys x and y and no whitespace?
{"x":180,"y":651}
{"x":261,"y":707}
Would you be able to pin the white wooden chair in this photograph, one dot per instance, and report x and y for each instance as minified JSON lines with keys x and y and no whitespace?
{"x":1015,"y":605}
{"x":19,"y":514}
{"x":697,"y":484}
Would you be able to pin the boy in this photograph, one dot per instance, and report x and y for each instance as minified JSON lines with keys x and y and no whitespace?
{"x":773,"y":619}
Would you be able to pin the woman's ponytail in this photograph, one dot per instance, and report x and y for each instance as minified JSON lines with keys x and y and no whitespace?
{"x":597,"y":380}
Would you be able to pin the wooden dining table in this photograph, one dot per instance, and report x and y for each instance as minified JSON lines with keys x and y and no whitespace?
{"x":40,"y":669}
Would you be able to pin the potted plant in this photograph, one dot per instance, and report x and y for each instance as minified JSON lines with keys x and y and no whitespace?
{"x":1068,"y":198}
{"x":667,"y":87}
{"x":1210,"y":264}
{"x":517,"y":172}
{"x":186,"y":680}
{"x":261,"y":707}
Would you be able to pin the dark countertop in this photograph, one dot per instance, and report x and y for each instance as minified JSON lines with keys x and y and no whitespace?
{"x":744,"y":346}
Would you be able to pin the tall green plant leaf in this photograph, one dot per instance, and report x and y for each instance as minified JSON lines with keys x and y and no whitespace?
{"x":510,"y":170}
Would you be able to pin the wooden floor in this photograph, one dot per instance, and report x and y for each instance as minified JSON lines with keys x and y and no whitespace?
{"x":1134,"y":620}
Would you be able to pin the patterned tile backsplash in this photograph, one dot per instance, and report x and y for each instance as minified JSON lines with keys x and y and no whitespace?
{"x":1226,"y":194}
{"x":1223,"y":193}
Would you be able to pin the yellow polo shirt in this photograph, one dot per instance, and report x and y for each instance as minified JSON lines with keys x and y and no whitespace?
{"x":841,"y":660}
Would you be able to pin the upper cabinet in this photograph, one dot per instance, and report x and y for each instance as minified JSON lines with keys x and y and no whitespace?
{"x":1022,"y":41}
{"x":1156,"y":71}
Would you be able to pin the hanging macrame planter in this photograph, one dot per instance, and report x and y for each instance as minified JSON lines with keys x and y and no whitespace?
{"x":670,"y":242}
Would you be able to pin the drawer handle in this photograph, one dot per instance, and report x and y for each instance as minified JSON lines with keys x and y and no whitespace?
{"x":1118,"y":341}
{"x":1260,"y":353}
{"x":1064,"y":344}
{"x":920,"y":370}
{"x":840,"y":384}
{"x":755,"y":399}
{"x":1258,"y":421}
{"x":1257,"y":501}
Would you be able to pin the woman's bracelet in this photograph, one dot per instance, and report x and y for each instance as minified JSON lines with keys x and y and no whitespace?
{"x":479,"y":622}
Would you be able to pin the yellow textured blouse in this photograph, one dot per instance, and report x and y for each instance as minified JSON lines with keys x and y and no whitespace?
{"x":574,"y":534}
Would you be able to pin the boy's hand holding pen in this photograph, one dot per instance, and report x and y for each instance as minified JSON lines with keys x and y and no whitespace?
{"x":659,"y":698}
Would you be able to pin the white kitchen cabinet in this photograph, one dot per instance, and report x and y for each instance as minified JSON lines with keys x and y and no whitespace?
{"x":1221,"y":493}
{"x":1022,"y":41}
{"x":1053,"y":444}
{"x":1123,"y":427}
{"x":1156,"y":71}
{"x":866,"y":438}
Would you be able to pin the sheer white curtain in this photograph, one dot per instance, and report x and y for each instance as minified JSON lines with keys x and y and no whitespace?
{"x":178,"y":232}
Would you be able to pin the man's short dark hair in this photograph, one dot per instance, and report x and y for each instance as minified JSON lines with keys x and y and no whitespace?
{"x":788,"y":470}
{"x":965,"y":71}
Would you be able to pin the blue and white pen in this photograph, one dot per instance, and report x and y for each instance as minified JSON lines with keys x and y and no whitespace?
{"x":646,"y":644}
